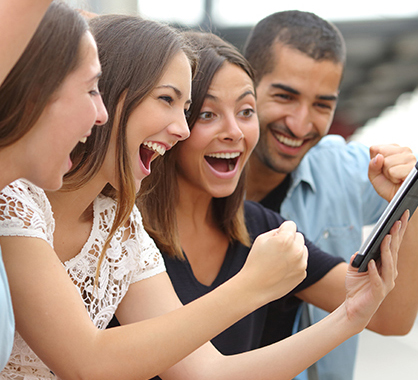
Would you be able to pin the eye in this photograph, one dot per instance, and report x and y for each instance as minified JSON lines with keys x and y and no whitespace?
{"x":206,"y":115}
{"x":324,"y":106}
{"x":168,"y":99}
{"x":94,"y":92}
{"x":247,"y":113}
{"x":282,"y":96}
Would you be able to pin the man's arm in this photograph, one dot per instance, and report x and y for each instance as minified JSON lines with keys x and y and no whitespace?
{"x":389,"y":166}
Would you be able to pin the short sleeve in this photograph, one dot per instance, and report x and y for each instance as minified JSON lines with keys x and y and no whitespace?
{"x":148,"y":255}
{"x":25,"y":211}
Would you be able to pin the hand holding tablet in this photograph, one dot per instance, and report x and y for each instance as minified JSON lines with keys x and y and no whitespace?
{"x":405,"y":198}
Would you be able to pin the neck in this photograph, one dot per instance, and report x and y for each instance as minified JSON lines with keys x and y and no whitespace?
{"x":261,"y":180}
{"x":75,"y":205}
{"x":193,"y":208}
{"x":10,"y":167}
{"x":203,"y":242}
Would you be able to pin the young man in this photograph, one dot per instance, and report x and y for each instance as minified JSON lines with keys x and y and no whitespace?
{"x":319,"y":182}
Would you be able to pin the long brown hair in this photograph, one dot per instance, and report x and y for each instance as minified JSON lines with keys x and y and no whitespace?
{"x":52,"y":54}
{"x":159,"y":191}
{"x":134,"y":54}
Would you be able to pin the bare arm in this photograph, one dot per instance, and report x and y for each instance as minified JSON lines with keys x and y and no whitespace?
{"x":389,"y":166}
{"x":281,"y":360}
{"x":18,"y":22}
{"x":52,"y":319}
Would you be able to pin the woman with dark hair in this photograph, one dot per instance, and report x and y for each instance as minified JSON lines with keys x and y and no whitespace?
{"x":83,"y":248}
{"x":193,"y":206}
{"x":43,"y":80}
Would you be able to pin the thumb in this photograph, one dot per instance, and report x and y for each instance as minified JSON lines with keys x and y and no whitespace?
{"x":376,"y":166}
{"x":287,"y":226}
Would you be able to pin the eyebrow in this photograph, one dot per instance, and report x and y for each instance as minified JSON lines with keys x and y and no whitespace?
{"x":332,"y":98}
{"x":242,"y":96}
{"x":178,"y":93}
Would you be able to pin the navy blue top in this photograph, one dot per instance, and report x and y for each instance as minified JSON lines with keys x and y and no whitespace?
{"x":246,"y":334}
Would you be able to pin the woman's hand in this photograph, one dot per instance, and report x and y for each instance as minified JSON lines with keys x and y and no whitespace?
{"x":277,"y":262}
{"x":367,"y":290}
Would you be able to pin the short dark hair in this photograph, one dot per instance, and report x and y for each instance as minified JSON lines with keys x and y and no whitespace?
{"x":304,"y":31}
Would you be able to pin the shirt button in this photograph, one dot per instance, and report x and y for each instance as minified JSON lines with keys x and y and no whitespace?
{"x":325,"y":235}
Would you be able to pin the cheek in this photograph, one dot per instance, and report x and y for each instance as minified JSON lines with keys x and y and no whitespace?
{"x":252,"y":135}
{"x":323,"y":123}
{"x":267,"y":114}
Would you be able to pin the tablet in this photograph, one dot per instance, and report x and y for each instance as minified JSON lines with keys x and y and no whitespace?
{"x":405,"y":198}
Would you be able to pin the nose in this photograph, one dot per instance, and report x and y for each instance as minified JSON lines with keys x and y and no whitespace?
{"x":102,"y":115}
{"x":179,"y":128}
{"x":299,"y":121}
{"x":231,"y":130}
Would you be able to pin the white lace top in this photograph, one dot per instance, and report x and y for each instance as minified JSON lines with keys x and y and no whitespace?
{"x":26,"y":211}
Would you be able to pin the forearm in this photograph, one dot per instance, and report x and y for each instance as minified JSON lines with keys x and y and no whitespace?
{"x":282,"y":360}
{"x":18,"y":22}
{"x":149,"y":347}
{"x":135,"y":351}
{"x":398,"y":311}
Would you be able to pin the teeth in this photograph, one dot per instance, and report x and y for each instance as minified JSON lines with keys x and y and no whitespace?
{"x":224,"y":155}
{"x":287,"y":141}
{"x":155,"y":147}
{"x":83,"y":139}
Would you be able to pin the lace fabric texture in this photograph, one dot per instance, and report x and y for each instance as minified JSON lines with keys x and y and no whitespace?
{"x":131,"y":257}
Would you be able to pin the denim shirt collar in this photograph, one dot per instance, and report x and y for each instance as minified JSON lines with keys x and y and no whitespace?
{"x":303,"y":173}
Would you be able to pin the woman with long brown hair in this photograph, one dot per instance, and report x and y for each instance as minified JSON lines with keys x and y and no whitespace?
{"x":40,"y":83}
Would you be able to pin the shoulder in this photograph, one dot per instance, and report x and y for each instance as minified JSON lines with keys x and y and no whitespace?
{"x":335,"y":150}
{"x":25,"y":210}
{"x":26,"y":192}
{"x":333,"y":160}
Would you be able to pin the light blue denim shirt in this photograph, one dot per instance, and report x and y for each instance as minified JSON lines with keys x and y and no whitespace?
{"x":330,"y":199}
{"x":7,"y":323}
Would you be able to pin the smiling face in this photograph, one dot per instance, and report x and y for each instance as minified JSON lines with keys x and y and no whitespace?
{"x":296,"y":104}
{"x":212,"y":158}
{"x":68,"y":118}
{"x":158,"y":122}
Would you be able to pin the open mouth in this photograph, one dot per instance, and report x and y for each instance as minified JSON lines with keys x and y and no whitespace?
{"x":149,"y":150}
{"x":223,"y":162}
